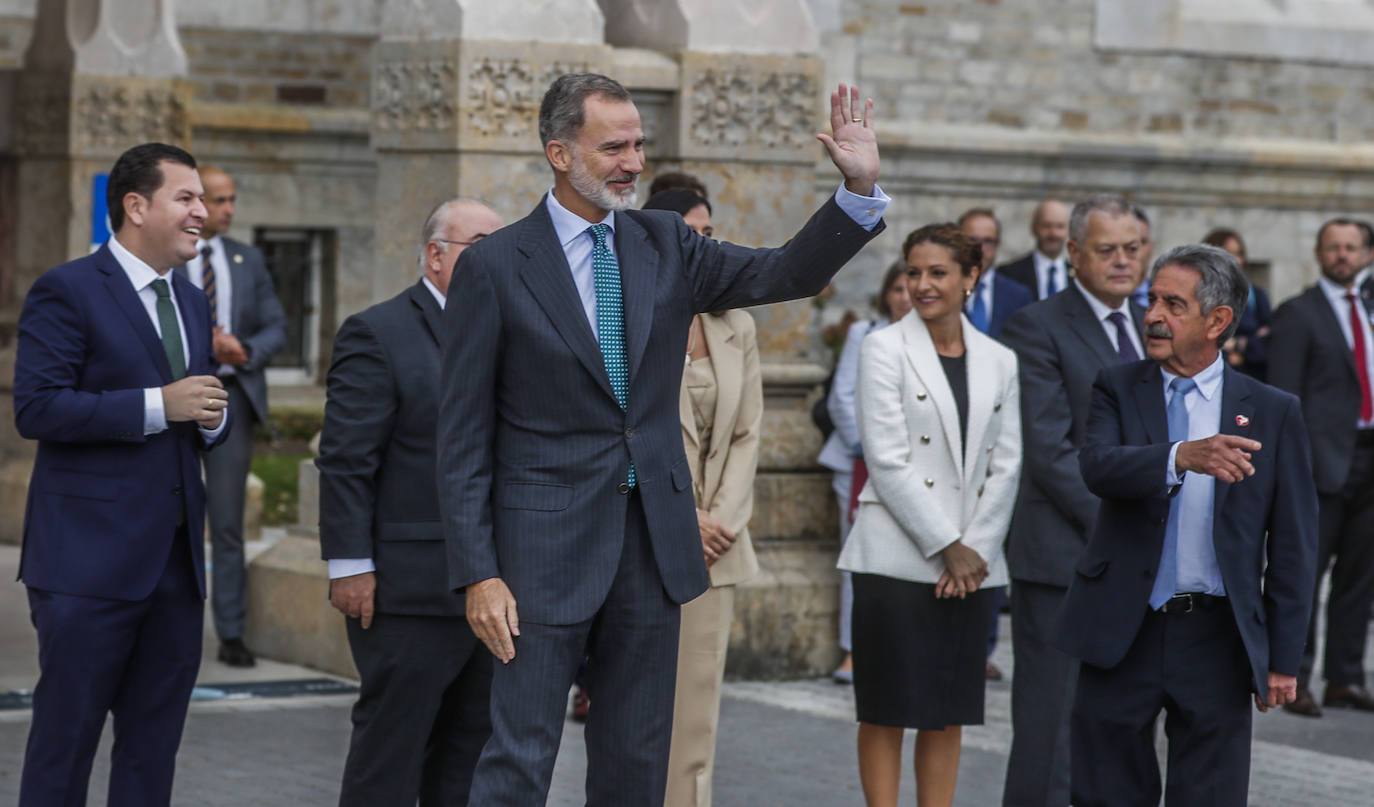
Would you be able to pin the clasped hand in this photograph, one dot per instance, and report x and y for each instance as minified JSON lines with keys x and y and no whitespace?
{"x":716,"y":540}
{"x":201,"y":398}
{"x":965,"y":570}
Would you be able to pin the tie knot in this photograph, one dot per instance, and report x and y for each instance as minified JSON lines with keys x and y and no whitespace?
{"x":1182,"y":386}
{"x":160,"y":288}
{"x":1350,"y":297}
{"x":1118,"y":319}
{"x":598,"y":232}
{"x":206,"y":251}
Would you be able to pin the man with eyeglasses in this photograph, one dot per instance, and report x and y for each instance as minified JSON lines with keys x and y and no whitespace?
{"x":421,"y":718}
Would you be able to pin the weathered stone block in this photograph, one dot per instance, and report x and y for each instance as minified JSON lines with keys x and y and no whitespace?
{"x":14,"y":493}
{"x":289,"y":617}
{"x":308,"y":494}
{"x":252,"y":508}
{"x":785,"y":622}
{"x":793,"y":507}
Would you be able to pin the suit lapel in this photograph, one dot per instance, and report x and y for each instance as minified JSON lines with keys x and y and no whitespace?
{"x":127,"y":299}
{"x":728,"y":360}
{"x":1331,"y":327}
{"x":982,"y":391}
{"x":1237,"y":415}
{"x":430,"y":312}
{"x":638,"y":278}
{"x":549,"y":278}
{"x":238,"y":283}
{"x":1149,"y":396}
{"x":920,"y":352}
{"x":687,"y":416}
{"x":1084,"y":322}
{"x":196,"y":328}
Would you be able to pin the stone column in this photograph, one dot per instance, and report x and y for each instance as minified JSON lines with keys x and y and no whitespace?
{"x":99,"y":76}
{"x":744,"y":115}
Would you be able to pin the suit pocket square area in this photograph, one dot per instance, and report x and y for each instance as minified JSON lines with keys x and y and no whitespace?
{"x":535,"y":496}
{"x":1091,"y":567}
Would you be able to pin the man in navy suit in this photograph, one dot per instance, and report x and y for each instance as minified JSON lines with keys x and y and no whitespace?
{"x":115,"y":378}
{"x":996,"y":296}
{"x":1195,"y":588}
{"x":564,"y":486}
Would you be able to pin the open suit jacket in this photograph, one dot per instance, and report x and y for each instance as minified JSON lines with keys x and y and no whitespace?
{"x":105,"y":499}
{"x":256,"y":319}
{"x":1309,"y":357}
{"x":726,"y":477}
{"x":534,"y":448}
{"x":378,"y":498}
{"x":923,"y":493}
{"x":1269,"y":582}
{"x":1061,"y":347}
{"x":1008,"y":297}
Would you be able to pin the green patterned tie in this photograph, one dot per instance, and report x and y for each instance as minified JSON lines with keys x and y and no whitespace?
{"x":610,"y":319}
{"x":171,"y":332}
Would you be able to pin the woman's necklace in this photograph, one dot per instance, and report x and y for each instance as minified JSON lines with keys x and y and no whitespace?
{"x":691,"y":342}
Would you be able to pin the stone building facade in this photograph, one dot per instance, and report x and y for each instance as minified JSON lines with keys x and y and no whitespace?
{"x":345,"y":120}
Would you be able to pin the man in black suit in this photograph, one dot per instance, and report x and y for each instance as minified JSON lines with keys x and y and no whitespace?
{"x":565,"y":486}
{"x":250,"y":328}
{"x":995,"y":297}
{"x":1196,"y":586}
{"x":1061,"y":344}
{"x":1321,"y":349}
{"x":421,"y":717}
{"x":1045,"y":269}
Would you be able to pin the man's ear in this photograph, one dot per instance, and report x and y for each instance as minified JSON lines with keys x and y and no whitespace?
{"x":1218,"y":320}
{"x":1073,"y":249}
{"x":135,"y":207}
{"x":558,"y":155}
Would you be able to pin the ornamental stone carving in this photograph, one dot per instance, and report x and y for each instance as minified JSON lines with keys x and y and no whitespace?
{"x":99,"y":116}
{"x":740,"y":108}
{"x":415,"y":96}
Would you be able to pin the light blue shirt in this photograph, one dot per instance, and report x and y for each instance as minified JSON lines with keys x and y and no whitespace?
{"x":571,"y":230}
{"x":1197,"y":554}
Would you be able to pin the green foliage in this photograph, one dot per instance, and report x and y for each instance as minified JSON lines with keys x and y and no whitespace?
{"x":278,"y":472}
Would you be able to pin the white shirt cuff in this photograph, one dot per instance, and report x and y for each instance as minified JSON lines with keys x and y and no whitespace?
{"x":211,"y":435}
{"x":866,"y":211}
{"x":347,"y":567}
{"x":1172,"y":477}
{"x":154,"y":417}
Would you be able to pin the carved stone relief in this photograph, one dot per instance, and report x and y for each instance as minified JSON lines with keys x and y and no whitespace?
{"x":99,"y":117}
{"x":414,"y":96}
{"x":740,"y":108}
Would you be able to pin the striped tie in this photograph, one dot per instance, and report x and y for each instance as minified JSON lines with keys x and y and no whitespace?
{"x":610,"y":319}
{"x":207,"y":282}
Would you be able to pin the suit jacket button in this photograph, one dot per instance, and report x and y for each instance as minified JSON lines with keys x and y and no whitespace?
{"x":629,"y":433}
{"x":925,"y":439}
{"x":623,"y":488}
{"x":920,"y":396}
{"x":980,"y":490}
{"x":176,"y":490}
{"x":989,"y":449}
{"x":997,"y":407}
{"x":930,"y":483}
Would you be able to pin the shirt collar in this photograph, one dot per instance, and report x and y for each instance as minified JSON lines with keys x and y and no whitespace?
{"x":1100,"y":309}
{"x":140,"y":274}
{"x":213,"y":243}
{"x":985,"y":280}
{"x":433,"y":289}
{"x":1208,"y":381}
{"x":1042,"y":260}
{"x":1336,"y":294}
{"x":568,"y":225}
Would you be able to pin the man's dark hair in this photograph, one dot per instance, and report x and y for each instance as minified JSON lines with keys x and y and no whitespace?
{"x":966,"y":252}
{"x":1366,"y":231}
{"x":679,"y":200}
{"x":563,"y":110}
{"x":669,"y":180}
{"x":139,"y":170}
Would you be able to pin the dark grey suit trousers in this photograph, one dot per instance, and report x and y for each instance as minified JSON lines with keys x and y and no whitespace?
{"x":226,"y":475}
{"x":1042,"y":690}
{"x":631,"y":647}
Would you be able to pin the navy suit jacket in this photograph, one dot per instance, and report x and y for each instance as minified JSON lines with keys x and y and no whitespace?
{"x":532,"y":444}
{"x":1269,"y":581}
{"x":1008,"y":297}
{"x":105,"y":499}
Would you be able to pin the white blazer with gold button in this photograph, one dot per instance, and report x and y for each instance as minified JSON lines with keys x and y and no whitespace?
{"x":922,"y":495}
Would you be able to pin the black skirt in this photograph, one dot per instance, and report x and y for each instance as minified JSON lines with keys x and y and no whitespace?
{"x":919,"y":662}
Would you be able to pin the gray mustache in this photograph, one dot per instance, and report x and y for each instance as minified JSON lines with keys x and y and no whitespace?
{"x":1158,"y":330}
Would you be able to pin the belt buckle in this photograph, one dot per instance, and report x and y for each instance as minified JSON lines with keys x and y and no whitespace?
{"x":1188,"y":598}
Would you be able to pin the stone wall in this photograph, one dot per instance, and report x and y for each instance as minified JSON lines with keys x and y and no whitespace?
{"x":277,"y":67}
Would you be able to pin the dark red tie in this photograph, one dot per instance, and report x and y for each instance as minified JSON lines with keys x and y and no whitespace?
{"x":1361,"y":362}
{"x":207,"y":282}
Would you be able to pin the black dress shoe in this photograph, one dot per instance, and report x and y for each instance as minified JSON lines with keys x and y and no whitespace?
{"x":233,"y":653}
{"x":1305,"y":705}
{"x":1348,"y":697}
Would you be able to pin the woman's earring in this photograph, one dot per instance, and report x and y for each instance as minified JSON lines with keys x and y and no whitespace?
{"x":968,"y":293}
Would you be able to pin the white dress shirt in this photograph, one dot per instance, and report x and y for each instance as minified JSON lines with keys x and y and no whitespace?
{"x":1101,"y":311}
{"x":1044,"y":267}
{"x":224,"y":282}
{"x":1336,"y":296}
{"x":1197,"y":554}
{"x":141,"y":276}
{"x":347,"y":567}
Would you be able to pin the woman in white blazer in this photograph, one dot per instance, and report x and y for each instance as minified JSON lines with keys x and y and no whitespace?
{"x":939,"y":418}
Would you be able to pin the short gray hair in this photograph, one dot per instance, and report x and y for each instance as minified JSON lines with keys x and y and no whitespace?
{"x":437,"y":219}
{"x":1222,"y":281}
{"x":562,"y":112}
{"x":1108,"y":204}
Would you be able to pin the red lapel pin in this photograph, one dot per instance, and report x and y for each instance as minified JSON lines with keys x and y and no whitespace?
{"x":1242,"y":420}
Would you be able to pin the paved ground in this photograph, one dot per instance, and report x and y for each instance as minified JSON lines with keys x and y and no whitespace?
{"x":781,"y":743}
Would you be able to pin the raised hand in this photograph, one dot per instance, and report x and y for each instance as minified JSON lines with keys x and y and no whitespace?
{"x":853,"y":146}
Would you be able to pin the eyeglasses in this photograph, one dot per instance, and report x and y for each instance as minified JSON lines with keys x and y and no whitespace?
{"x":460,"y":243}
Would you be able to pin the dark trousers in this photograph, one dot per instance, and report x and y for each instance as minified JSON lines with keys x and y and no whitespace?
{"x":137,"y":660}
{"x":422,"y":713}
{"x":1345,"y":534}
{"x":1193,"y":667}
{"x":1042,"y":693}
{"x":226,"y":477}
{"x":631,"y":645}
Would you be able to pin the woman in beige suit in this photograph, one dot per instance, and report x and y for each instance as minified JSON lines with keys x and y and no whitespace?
{"x":721,"y":407}
{"x":939,"y":418}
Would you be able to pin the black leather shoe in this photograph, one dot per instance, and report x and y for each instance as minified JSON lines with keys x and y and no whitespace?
{"x":1305,"y":705}
{"x":233,"y":653}
{"x":1348,"y":697}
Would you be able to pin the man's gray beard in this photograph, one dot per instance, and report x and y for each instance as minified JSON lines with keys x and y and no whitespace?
{"x":596,"y":192}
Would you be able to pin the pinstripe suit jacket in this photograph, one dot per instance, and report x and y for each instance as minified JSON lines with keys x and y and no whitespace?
{"x":532,"y":444}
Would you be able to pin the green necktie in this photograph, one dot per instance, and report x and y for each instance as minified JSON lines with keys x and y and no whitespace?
{"x":171,"y":331}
